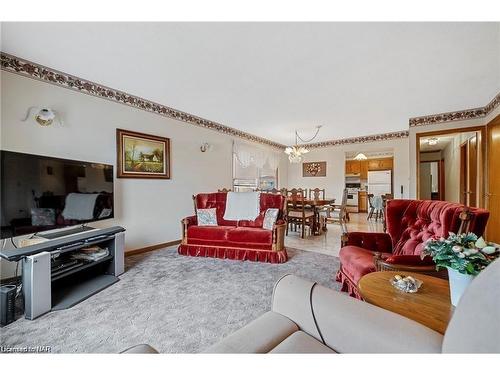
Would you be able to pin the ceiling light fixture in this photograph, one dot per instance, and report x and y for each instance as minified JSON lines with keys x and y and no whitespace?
{"x":432,"y":141}
{"x":360,"y":156}
{"x":295,"y":152}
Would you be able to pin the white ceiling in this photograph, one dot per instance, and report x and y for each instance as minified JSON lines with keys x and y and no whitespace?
{"x":272,"y":78}
{"x":443,"y":141}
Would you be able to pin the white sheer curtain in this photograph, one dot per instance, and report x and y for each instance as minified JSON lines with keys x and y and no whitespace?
{"x":251,"y":154}
{"x":254,"y":167}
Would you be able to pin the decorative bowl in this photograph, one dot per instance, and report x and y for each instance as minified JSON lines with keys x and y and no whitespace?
{"x":407,"y":284}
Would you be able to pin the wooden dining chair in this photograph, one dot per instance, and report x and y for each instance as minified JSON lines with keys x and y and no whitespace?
{"x":316,"y":193}
{"x":339,"y":213}
{"x":297,"y":213}
{"x":371,"y":207}
{"x":223,"y":190}
{"x":294,"y":193}
{"x":321,"y":210}
{"x":385,"y":197}
{"x":374,"y":212}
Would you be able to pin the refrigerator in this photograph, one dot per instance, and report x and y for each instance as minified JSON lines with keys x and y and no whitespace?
{"x":379,"y":182}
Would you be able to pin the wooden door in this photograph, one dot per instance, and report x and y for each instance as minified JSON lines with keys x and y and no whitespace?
{"x":493,"y":192}
{"x":472,"y":175}
{"x":463,"y":174}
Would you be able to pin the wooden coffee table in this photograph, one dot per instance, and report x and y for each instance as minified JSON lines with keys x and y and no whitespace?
{"x":430,"y":306}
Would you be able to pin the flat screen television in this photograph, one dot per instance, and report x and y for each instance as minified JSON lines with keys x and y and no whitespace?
{"x":40,"y":193}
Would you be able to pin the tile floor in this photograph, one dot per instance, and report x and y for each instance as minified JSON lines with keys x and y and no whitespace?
{"x":329,"y":242}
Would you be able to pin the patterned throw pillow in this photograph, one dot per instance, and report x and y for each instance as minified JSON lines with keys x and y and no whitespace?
{"x":206,"y":216}
{"x":270,"y":218}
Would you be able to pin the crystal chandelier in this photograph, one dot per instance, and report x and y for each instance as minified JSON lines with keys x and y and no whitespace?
{"x":295,"y":152}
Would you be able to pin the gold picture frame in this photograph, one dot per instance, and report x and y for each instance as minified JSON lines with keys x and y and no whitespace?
{"x":142,"y":155}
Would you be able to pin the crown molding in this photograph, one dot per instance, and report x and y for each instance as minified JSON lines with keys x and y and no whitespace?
{"x":26,"y":68}
{"x":467,"y":114}
{"x":361,"y":139}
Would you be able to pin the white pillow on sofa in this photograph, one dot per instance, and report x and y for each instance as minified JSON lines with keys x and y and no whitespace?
{"x":207,"y":216}
{"x":270,"y":218}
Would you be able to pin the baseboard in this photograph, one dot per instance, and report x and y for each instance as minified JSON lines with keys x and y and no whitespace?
{"x":151,"y":248}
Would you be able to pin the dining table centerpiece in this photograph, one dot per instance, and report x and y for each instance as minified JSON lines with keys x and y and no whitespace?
{"x":464,"y":256}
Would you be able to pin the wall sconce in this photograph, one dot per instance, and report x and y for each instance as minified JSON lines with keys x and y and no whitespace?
{"x":43,"y":116}
{"x":205,"y":147}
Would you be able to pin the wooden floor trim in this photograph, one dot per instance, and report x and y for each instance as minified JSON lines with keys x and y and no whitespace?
{"x":151,"y":248}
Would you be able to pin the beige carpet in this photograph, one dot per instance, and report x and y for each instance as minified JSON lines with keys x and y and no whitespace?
{"x":177,"y":304}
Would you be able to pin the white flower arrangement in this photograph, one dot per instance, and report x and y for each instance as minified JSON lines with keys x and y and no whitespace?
{"x":465,"y":252}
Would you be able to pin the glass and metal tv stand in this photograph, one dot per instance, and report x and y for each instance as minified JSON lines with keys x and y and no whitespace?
{"x":55,"y":279}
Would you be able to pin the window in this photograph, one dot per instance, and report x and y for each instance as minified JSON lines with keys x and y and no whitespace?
{"x":254,"y":167}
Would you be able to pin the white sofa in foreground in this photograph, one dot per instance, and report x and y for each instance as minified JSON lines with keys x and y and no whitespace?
{"x":309,"y":318}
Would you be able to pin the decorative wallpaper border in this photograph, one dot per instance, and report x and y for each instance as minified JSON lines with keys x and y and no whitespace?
{"x":39,"y":72}
{"x":467,"y":114}
{"x":361,"y":139}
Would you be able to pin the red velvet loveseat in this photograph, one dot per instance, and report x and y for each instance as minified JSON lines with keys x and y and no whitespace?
{"x":240,"y":240}
{"x":409,"y":224}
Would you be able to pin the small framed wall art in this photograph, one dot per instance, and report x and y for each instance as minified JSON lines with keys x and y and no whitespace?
{"x":142,"y":155}
{"x":314,"y":169}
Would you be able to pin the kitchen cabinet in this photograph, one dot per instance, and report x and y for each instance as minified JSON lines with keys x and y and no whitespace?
{"x":352,"y":167}
{"x":380,"y":164}
{"x":362,"y":201}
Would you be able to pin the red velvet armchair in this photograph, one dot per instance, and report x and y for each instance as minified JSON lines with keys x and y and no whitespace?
{"x":240,"y":240}
{"x":409,"y":224}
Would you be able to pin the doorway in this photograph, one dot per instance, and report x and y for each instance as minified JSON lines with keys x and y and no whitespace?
{"x":450,"y":165}
{"x":468,"y":172}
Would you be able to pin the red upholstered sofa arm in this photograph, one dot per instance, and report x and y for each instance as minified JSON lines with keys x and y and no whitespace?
{"x":409,"y":260}
{"x":185,"y":224}
{"x":380,"y":242}
{"x":190,"y":220}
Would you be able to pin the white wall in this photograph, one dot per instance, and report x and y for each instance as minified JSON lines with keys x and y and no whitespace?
{"x":334,"y":182}
{"x":430,"y":156}
{"x":150,"y":210}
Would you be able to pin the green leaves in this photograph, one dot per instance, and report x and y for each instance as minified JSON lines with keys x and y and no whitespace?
{"x":458,"y":252}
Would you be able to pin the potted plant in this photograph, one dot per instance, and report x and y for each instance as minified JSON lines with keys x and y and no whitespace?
{"x":464,"y":255}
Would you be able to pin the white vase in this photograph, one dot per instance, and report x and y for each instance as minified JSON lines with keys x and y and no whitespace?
{"x":458,"y":283}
